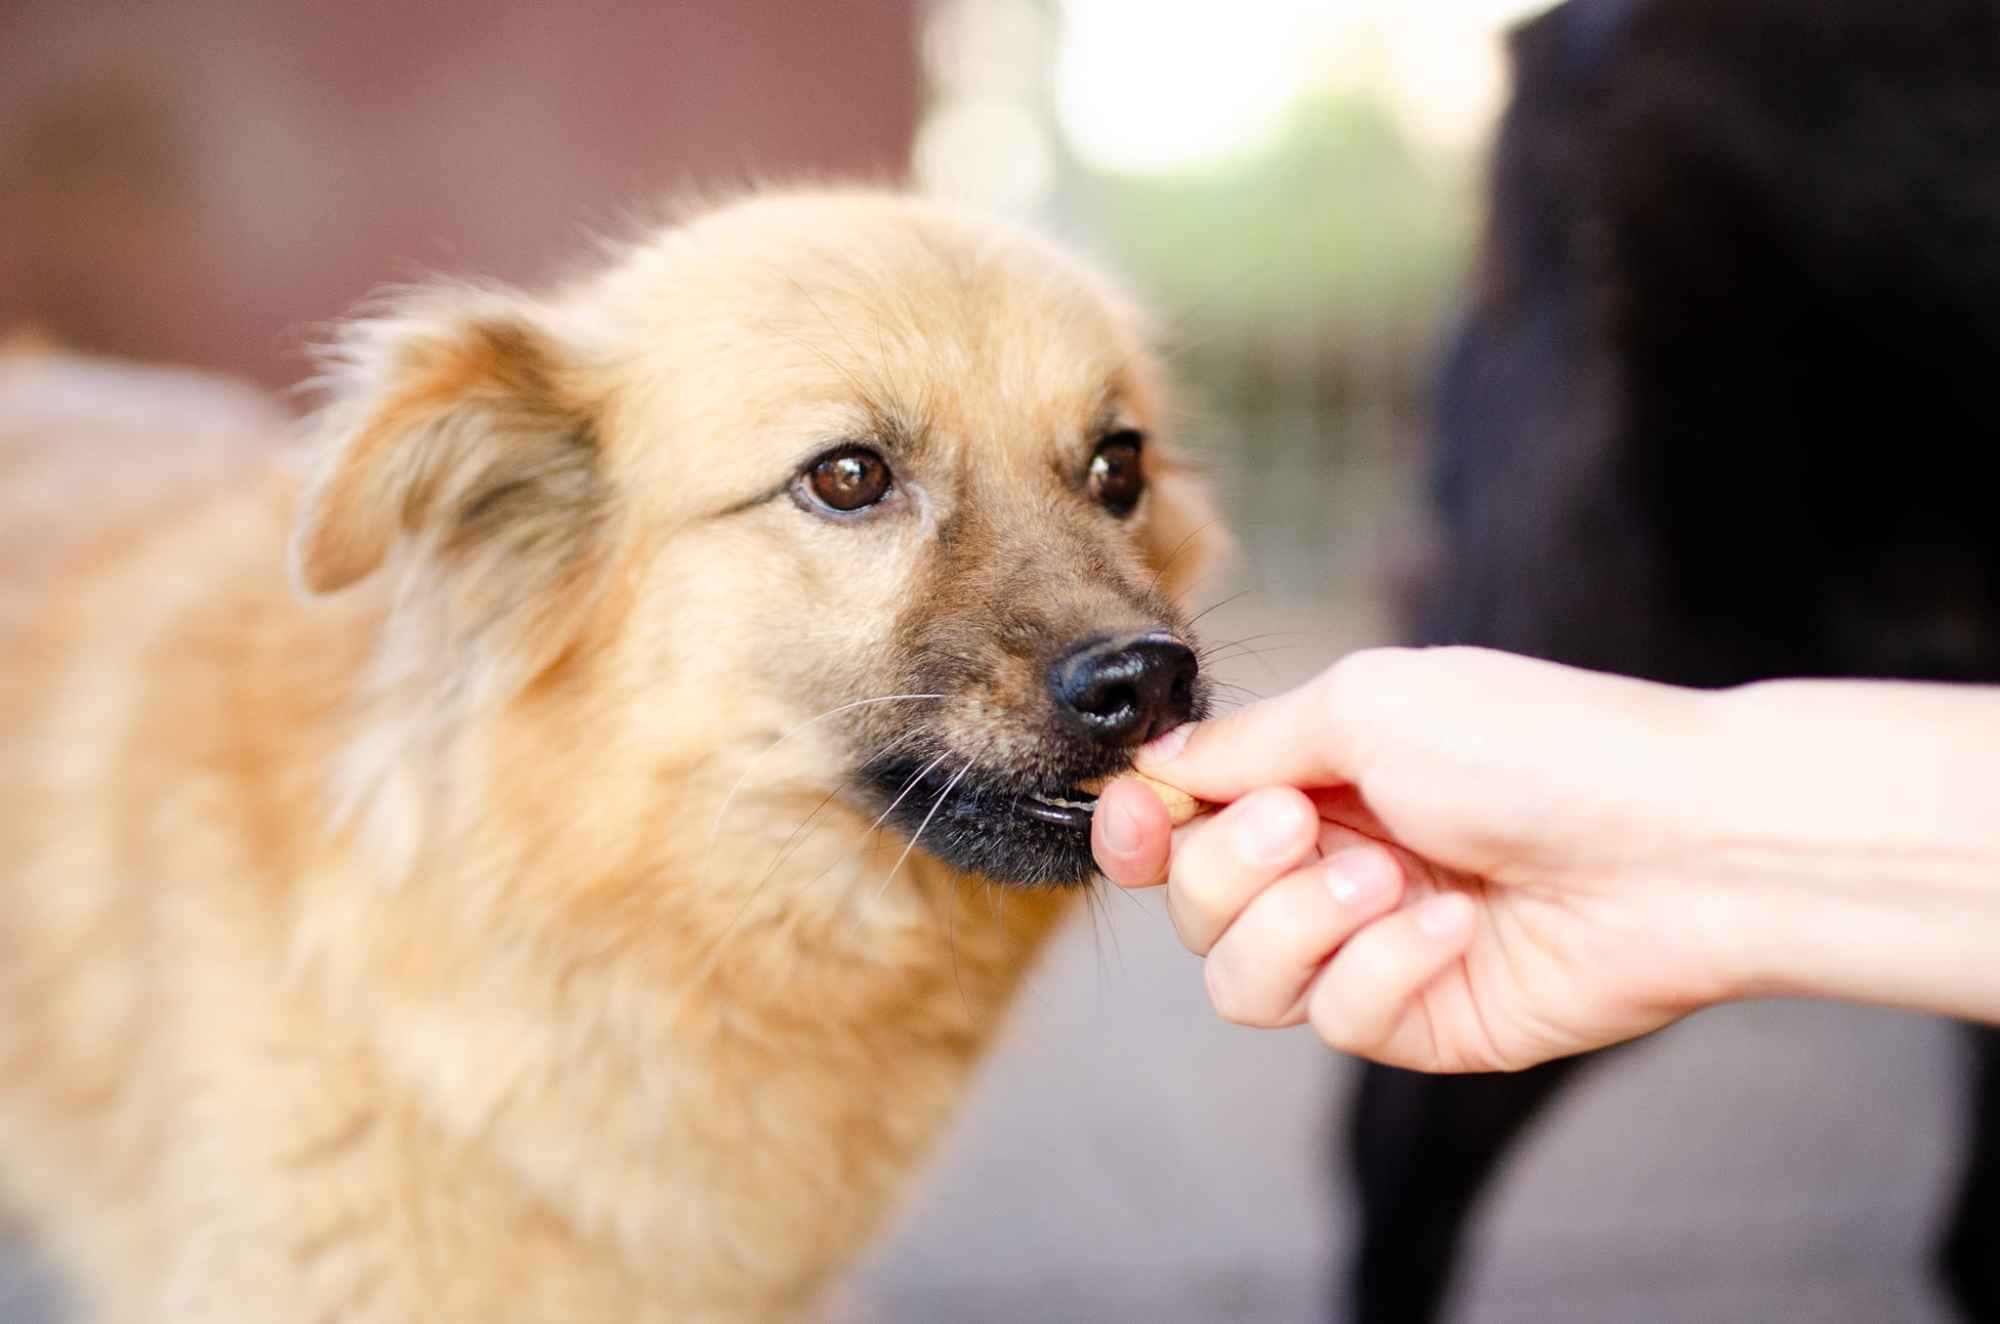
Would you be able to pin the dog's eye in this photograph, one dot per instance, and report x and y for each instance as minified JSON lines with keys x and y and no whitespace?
{"x":1115,"y":480}
{"x":848,"y":479}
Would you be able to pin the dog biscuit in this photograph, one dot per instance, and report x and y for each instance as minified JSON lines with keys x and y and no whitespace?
{"x":1181,"y":807}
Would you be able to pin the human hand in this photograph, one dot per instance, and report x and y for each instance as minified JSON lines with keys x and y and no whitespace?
{"x":1448,"y":859}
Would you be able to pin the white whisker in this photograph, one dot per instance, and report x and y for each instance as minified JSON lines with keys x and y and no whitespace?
{"x":909,"y":786}
{"x":943,"y":795}
{"x":793,"y":842}
{"x":862,"y":839}
{"x":715,"y":828}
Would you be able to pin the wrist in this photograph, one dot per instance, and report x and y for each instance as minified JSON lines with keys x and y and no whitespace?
{"x":1848,"y":843}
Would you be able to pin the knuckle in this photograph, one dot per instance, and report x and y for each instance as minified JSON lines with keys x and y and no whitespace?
{"x":1194,"y":933}
{"x":1203,"y":891}
{"x":1296,"y":909}
{"x":1228,"y":992}
{"x":1220,"y":988}
{"x":1351,"y":1007}
{"x":1356,"y":686}
{"x":1336,"y":1029}
{"x":1373,"y":965}
{"x":1199,"y":910}
{"x":1355,"y":674}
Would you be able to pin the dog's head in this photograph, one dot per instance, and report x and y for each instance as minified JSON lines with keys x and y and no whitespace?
{"x":842,"y":465}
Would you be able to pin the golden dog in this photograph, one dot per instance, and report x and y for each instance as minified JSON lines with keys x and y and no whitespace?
{"x":574,"y":909}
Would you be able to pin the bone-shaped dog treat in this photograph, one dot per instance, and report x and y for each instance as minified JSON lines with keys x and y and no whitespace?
{"x":1181,"y":807}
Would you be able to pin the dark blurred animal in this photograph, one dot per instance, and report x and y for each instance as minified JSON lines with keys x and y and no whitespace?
{"x":1715,"y":413}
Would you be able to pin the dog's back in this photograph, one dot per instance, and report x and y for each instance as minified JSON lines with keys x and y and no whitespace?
{"x":87,"y":445}
{"x":110,"y":476}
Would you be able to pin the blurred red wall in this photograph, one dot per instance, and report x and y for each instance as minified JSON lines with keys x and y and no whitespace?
{"x":208,"y":181}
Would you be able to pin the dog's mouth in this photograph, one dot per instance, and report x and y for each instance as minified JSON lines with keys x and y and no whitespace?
{"x":992,"y":821}
{"x":1071,"y":807}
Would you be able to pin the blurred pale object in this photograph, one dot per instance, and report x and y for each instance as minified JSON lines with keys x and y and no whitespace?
{"x":989,"y":153}
{"x":1444,"y":68}
{"x":988,"y":49}
{"x":1146,"y":87}
{"x":1143,"y":86}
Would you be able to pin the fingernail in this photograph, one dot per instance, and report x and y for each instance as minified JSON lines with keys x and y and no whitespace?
{"x":1357,"y":874}
{"x":1121,"y":830}
{"x":1161,"y":749}
{"x":1443,"y":916}
{"x":1268,"y":831}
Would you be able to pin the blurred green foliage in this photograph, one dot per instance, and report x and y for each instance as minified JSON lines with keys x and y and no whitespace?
{"x":1343,"y":215}
{"x":1302,"y":288}
{"x":1310,"y":272}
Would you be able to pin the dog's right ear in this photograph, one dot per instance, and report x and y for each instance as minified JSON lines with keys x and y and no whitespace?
{"x":450,"y":440}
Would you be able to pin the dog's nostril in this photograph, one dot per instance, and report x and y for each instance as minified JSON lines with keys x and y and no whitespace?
{"x":1123,"y":691}
{"x":1108,"y":701}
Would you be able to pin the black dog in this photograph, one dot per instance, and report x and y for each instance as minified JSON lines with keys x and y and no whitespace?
{"x":1715,"y":412}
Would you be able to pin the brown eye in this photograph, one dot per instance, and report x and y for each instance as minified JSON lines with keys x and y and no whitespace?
{"x":1115,"y":480}
{"x":848,"y":479}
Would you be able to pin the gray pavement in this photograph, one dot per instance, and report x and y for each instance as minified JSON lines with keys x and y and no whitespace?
{"x":1131,"y":1159}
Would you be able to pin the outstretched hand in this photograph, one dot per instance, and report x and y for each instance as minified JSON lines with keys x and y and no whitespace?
{"x":1451,"y":859}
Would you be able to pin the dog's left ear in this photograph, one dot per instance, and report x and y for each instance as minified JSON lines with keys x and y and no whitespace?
{"x":450,"y":441}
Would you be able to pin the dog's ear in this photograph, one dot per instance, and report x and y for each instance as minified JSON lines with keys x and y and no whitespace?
{"x":449,"y":439}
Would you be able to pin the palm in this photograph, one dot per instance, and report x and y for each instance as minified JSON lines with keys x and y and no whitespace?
{"x":1545,"y":975}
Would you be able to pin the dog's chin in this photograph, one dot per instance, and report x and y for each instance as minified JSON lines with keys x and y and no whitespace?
{"x":1008,"y":828}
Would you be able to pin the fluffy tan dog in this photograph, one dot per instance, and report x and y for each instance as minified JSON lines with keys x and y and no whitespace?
{"x":525,"y":926}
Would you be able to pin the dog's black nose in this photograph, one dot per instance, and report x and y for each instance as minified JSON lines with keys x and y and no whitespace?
{"x":1126,"y":691}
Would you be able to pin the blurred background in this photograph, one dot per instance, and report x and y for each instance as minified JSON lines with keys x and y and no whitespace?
{"x":1293,"y":188}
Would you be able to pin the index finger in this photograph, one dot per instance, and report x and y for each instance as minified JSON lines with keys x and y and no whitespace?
{"x":1302,"y":738}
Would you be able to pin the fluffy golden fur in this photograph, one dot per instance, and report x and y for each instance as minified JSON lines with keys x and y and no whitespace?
{"x":508,"y":928}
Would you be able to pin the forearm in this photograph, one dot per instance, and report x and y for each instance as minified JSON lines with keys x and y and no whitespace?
{"x":1852,"y":833}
